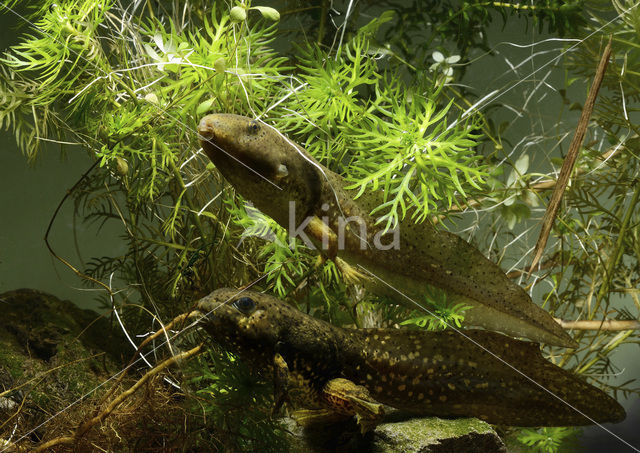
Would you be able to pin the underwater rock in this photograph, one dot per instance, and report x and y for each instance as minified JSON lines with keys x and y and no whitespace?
{"x":422,"y":435}
{"x":52,"y":353}
{"x":413,"y":435}
{"x":35,"y":323}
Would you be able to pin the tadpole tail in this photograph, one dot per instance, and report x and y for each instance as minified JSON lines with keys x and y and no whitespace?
{"x":477,"y":373}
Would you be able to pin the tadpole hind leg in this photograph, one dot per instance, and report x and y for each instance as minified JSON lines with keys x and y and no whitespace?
{"x":280,"y":383}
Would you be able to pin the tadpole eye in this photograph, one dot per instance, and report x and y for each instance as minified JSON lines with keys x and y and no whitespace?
{"x":245,"y":305}
{"x":254,"y":126}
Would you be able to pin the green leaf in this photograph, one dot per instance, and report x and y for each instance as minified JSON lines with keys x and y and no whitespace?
{"x":268,"y":13}
{"x":220,"y":65}
{"x":205,"y":106}
{"x":522,"y":164}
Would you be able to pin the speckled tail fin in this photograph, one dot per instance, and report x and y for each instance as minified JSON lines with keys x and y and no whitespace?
{"x":482,"y":374}
{"x":430,"y":256}
{"x":472,"y":275}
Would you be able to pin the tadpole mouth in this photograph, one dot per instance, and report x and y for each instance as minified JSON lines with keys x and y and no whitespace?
{"x":205,"y":129}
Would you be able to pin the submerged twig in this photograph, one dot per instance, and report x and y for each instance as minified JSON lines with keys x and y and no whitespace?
{"x":86,"y":426}
{"x":570,"y":159}
{"x":146,"y":341}
{"x":606,"y":324}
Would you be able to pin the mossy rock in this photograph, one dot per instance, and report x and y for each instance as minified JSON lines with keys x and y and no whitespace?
{"x":431,"y":435}
{"x":55,"y":351}
{"x":36,"y":323}
{"x":398,"y":435}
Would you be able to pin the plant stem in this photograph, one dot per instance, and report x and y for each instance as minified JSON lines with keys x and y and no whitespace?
{"x":192,"y":210}
{"x":617,"y":254}
{"x":323,"y":20}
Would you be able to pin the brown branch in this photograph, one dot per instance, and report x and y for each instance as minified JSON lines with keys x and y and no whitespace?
{"x":606,"y":324}
{"x":570,"y":159}
{"x":146,"y":341}
{"x":86,"y":426}
{"x":626,"y":290}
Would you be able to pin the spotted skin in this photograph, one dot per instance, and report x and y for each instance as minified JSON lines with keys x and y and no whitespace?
{"x":271,"y":172}
{"x":428,"y":373}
